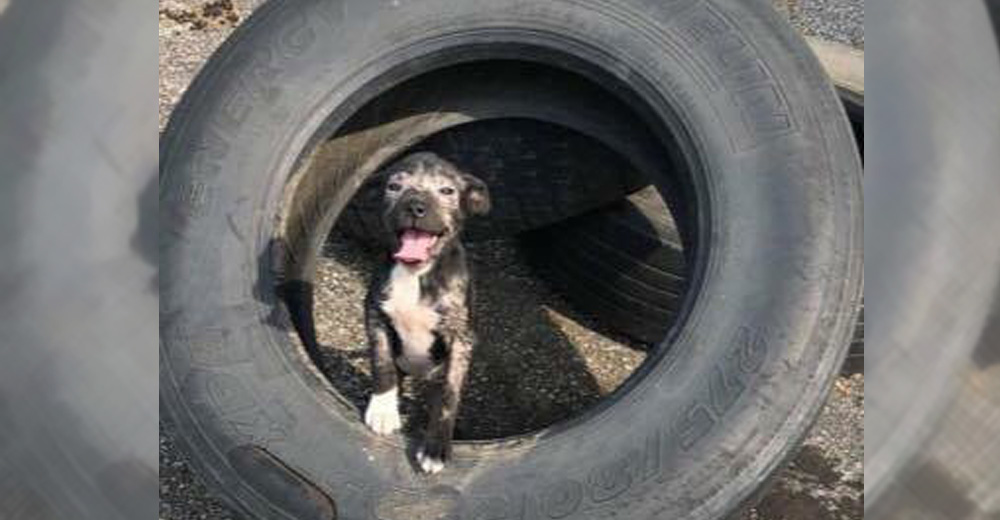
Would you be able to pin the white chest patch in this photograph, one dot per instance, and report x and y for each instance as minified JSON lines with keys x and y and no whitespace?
{"x":413,"y":318}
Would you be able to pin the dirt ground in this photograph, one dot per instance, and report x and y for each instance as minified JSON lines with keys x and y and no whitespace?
{"x":506,"y":394}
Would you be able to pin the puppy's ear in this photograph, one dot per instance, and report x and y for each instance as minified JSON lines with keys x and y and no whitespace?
{"x":476,"y":197}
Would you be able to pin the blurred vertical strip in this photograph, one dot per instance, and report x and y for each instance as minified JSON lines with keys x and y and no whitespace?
{"x":932,"y":402}
{"x":78,"y":291}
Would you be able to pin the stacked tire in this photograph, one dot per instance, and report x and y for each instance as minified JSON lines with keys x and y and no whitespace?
{"x":623,"y":264}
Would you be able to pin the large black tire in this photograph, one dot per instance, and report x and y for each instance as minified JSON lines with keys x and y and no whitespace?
{"x":767,"y":164}
{"x":625,"y":263}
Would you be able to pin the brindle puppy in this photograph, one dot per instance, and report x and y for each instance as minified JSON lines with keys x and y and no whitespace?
{"x":417,"y":312}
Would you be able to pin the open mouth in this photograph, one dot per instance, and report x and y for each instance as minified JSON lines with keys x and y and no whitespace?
{"x":415,"y":246}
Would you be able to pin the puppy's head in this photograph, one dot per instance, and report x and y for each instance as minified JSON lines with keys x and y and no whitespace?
{"x":426,"y":200}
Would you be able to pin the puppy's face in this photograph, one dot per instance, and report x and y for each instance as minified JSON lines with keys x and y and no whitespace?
{"x":426,"y":201}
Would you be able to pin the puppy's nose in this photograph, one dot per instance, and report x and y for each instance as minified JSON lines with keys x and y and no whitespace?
{"x":418,"y":208}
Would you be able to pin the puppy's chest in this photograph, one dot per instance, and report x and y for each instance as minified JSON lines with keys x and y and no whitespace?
{"x":414,"y":318}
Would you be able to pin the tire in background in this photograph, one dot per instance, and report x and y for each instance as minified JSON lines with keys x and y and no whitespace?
{"x":623,"y":264}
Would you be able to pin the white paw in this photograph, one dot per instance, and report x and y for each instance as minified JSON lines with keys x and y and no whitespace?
{"x":382,"y":415}
{"x":429,"y":465}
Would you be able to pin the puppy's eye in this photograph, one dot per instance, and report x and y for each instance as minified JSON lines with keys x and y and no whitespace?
{"x":394,"y":186}
{"x":447,"y":191}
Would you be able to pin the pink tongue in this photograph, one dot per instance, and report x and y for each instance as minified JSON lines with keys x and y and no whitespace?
{"x":415,"y":246}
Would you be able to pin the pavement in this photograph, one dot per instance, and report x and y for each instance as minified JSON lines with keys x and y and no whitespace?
{"x":507,"y":394}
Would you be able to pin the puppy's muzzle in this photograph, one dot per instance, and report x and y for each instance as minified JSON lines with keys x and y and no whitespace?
{"x":417,"y":208}
{"x":417,"y":211}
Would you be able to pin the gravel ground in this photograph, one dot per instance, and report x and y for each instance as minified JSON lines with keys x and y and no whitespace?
{"x":522,"y":320}
{"x":837,"y":20}
{"x":537,"y":362}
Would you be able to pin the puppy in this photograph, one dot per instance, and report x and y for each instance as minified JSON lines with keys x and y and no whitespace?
{"x":417,"y":311}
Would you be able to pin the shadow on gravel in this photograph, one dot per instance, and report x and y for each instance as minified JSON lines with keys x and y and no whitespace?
{"x":812,"y":489}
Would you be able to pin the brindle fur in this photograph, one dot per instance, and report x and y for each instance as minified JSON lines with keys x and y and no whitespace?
{"x":400,"y":311}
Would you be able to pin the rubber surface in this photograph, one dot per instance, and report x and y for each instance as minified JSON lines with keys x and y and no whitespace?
{"x":739,"y":105}
{"x":624,"y":264}
{"x":846,"y":67}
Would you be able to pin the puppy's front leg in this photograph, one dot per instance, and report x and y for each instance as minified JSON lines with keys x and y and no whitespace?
{"x":444,"y":396}
{"x":382,"y":415}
